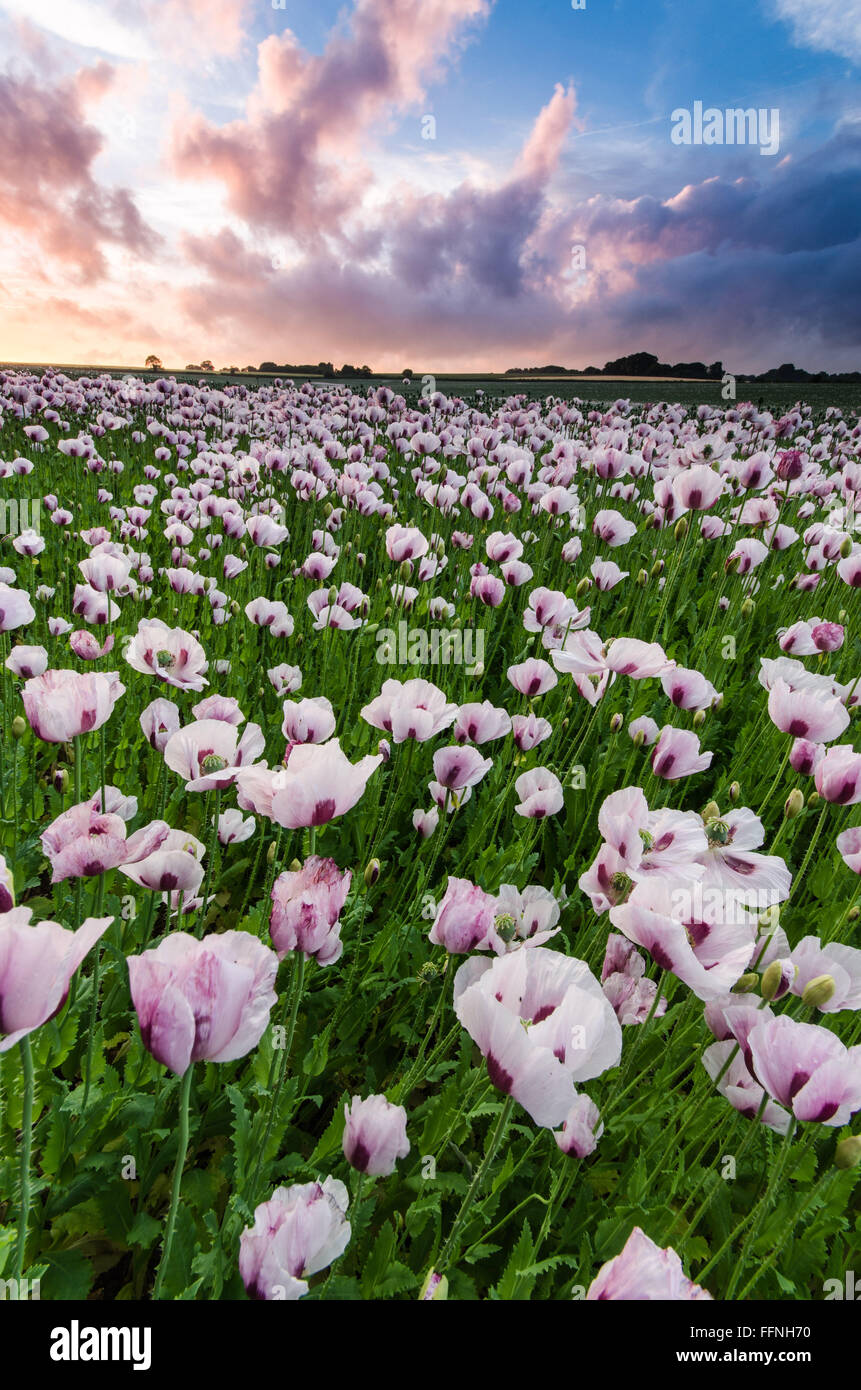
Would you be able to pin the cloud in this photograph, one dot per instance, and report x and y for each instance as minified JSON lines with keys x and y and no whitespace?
{"x":832,"y":26}
{"x":295,"y":163}
{"x":47,"y":188}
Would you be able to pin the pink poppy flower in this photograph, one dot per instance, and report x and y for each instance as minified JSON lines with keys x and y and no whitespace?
{"x":736,"y":1084}
{"x":708,"y":955}
{"x":807,"y":1070}
{"x":171,"y":654}
{"x":460,"y":767}
{"x":465,"y":920}
{"x":677,"y":754}
{"x":809,"y":714}
{"x":37,"y":962}
{"x":61,"y":705}
{"x":540,"y":793}
{"x":306,"y":907}
{"x":532,"y":677}
{"x":158,"y":721}
{"x":26,"y":662}
{"x":82,"y":843}
{"x":644,"y":1273}
{"x":16,"y":610}
{"x":298,"y":1232}
{"x":206,"y":1000}
{"x":209,"y":753}
{"x":481,"y":722}
{"x":410,"y":709}
{"x":838,"y":776}
{"x":573,"y":1033}
{"x":812,"y":959}
{"x":688,"y":689}
{"x":375,"y":1135}
{"x":405,"y":543}
{"x":581,"y":1128}
{"x":849,"y":845}
{"x":318,"y":784}
{"x":308,"y":721}
{"x":529,"y":731}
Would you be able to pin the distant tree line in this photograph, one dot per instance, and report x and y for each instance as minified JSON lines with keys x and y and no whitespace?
{"x":321,"y":369}
{"x":647,"y":364}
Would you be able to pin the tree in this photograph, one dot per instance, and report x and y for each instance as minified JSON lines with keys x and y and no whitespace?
{"x":206,"y":365}
{"x":153,"y":363}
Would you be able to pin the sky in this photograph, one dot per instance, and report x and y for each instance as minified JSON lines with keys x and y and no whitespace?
{"x":449,"y":185}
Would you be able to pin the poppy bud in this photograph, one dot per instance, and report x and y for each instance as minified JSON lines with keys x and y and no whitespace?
{"x":680,"y":530}
{"x":813,"y":799}
{"x":848,"y":1152}
{"x":777,"y":978}
{"x":793,"y":804}
{"x":434,"y":1288}
{"x":853,"y":914}
{"x":699,"y":719}
{"x":384,"y":748}
{"x":372,"y":872}
{"x":711,"y":811}
{"x":734,"y":792}
{"x":583,"y":587}
{"x":642,"y":578}
{"x":818,"y":991}
{"x":746,"y":985}
{"x":657,"y":568}
{"x":846,"y":548}
{"x":615,"y":723}
{"x":639,"y":738}
{"x":19,"y":726}
{"x":747,"y":607}
{"x":60,"y":780}
{"x":295,"y":866}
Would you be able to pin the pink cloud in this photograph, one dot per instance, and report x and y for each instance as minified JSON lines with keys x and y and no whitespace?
{"x":47,"y":188}
{"x":284,"y":165}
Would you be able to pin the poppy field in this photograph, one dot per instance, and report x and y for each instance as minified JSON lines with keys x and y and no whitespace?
{"x":431,"y":840}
